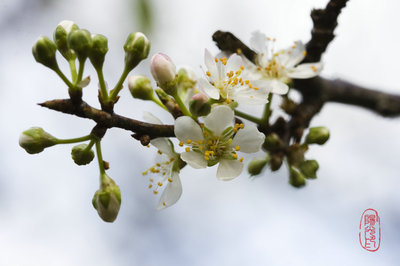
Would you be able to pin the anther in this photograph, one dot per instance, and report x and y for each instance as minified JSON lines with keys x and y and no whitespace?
{"x":187,"y":149}
{"x":237,"y":148}
{"x":181,"y":143}
{"x":159,"y":184}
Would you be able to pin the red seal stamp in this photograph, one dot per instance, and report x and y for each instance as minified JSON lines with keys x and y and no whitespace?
{"x":370,"y":230}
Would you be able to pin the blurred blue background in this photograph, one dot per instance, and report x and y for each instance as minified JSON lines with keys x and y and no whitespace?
{"x":46,"y":216}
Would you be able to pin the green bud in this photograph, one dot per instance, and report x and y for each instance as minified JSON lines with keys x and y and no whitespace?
{"x":199,"y":105}
{"x":81,"y":155}
{"x":276,"y":162}
{"x":137,"y":48}
{"x":296,"y":153}
{"x":256,"y":165}
{"x":60,"y":37}
{"x":35,"y":140}
{"x":309,"y":168}
{"x":186,"y":78}
{"x":140,"y":87}
{"x":81,"y":42}
{"x":44,"y":52}
{"x":296,"y":178}
{"x":272,"y":142}
{"x":317,"y":135}
{"x":107,"y":200}
{"x":98,"y":51}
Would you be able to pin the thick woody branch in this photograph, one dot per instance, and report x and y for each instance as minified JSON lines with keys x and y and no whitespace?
{"x":325,"y":22}
{"x":106,"y":120}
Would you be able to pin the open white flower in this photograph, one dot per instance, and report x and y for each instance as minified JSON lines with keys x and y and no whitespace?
{"x":165,"y":171}
{"x":224,"y":81}
{"x":274,"y":70}
{"x":217,"y":141}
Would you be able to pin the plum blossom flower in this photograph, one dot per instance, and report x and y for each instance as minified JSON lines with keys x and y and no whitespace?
{"x":224,"y":81}
{"x":274,"y":70}
{"x":217,"y":141}
{"x":165,"y":173}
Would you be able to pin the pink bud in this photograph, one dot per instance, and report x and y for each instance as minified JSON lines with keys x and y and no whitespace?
{"x":162,"y":68}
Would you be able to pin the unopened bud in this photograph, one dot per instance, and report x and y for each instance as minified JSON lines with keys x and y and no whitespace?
{"x":317,"y":135}
{"x":186,"y":78}
{"x":140,"y":87}
{"x":256,"y":165}
{"x":164,"y":71}
{"x":296,"y":178}
{"x":107,"y":200}
{"x":81,"y":42}
{"x":44,"y":51}
{"x":35,"y":140}
{"x":272,"y":142}
{"x":309,"y":168}
{"x":199,"y":105}
{"x":60,"y":38}
{"x":81,"y":155}
{"x":98,"y":51}
{"x":137,"y":48}
{"x":276,"y":162}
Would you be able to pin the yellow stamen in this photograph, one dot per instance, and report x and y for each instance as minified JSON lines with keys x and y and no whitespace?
{"x":150,"y":185}
{"x":181,"y":143}
{"x":237,"y":148}
{"x":159,"y":184}
{"x":234,"y":156}
{"x":241,"y":159}
{"x":170,"y":179}
{"x":208,"y":73}
{"x":314,"y":68}
{"x":189,"y":141}
{"x":187,"y":149}
{"x":155,"y":192}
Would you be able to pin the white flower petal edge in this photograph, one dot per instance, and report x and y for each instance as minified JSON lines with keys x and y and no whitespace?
{"x":219,"y":119}
{"x":164,"y":146}
{"x":194,"y":159}
{"x":248,"y":139}
{"x":229,"y":169}
{"x":186,"y":128}
{"x":149,"y":117}
{"x":209,"y":89}
{"x":306,"y":70}
{"x":171,"y":193}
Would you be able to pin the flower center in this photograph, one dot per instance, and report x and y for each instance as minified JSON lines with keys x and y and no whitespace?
{"x":162,"y":173}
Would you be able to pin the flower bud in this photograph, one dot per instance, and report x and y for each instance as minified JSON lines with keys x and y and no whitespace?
{"x":35,"y":140}
{"x":272,"y":142}
{"x":107,"y":200}
{"x":98,"y":51}
{"x":164,"y":71}
{"x":276,"y":162}
{"x":81,"y":155}
{"x":317,"y":135}
{"x":199,"y":105}
{"x":296,"y":178}
{"x":44,"y":52}
{"x":186,"y":78}
{"x":137,"y":48}
{"x":60,"y":37}
{"x":140,"y":87}
{"x":81,"y":42}
{"x":256,"y":165}
{"x":309,"y":168}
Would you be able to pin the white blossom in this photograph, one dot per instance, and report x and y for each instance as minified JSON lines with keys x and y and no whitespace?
{"x":224,"y":81}
{"x":274,"y":70}
{"x":217,"y":141}
{"x":165,"y":173}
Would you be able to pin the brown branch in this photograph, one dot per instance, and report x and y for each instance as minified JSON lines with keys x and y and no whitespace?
{"x":106,"y":120}
{"x":325,"y":22}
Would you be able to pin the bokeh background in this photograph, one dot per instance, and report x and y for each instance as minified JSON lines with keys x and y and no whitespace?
{"x":46,"y":216}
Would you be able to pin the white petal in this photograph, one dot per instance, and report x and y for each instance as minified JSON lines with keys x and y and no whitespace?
{"x":208,"y":89}
{"x":164,"y":146}
{"x":150,"y":118}
{"x":258,"y":42}
{"x":219,"y":119}
{"x":250,"y":96}
{"x":296,"y":55}
{"x":304,"y":71}
{"x":248,"y":139}
{"x":194,"y":159}
{"x":186,"y":128}
{"x":229,"y":169}
{"x":278,"y":87}
{"x":209,"y":61}
{"x":234,"y":63}
{"x":172,"y":192}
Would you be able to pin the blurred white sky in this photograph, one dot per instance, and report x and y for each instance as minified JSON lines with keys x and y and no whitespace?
{"x":46,"y":216}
